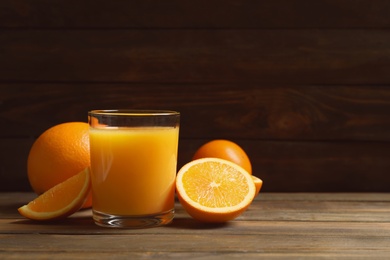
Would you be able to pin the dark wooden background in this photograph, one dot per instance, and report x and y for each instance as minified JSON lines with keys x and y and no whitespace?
{"x":302,"y":86}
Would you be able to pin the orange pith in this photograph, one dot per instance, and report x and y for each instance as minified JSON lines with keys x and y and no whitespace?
{"x":60,"y":201}
{"x":214,"y":190}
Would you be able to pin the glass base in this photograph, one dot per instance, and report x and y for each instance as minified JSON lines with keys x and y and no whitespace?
{"x":142,"y":221}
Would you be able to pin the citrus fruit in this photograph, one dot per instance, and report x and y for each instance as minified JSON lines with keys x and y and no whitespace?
{"x":214,"y":190}
{"x":58,"y":154}
{"x":224,"y":149}
{"x":60,"y":201}
{"x":258,"y":184}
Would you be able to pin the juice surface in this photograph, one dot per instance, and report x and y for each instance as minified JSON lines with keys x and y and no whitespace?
{"x":133,"y":169}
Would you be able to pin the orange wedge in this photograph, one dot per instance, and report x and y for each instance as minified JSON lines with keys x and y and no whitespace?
{"x":258,"y":183}
{"x":61,"y":201}
{"x":214,"y":190}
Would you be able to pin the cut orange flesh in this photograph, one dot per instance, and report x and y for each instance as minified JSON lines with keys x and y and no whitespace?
{"x":214,"y":190}
{"x":61,"y":201}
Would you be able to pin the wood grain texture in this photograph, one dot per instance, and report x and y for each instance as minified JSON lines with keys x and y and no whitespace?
{"x":236,"y":111}
{"x":214,"y":14}
{"x":193,"y":56}
{"x":303,"y":86}
{"x":276,"y":226}
{"x":283,"y":166}
{"x":312,"y":138}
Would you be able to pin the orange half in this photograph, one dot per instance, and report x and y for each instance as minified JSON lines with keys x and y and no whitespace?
{"x":214,"y":190}
{"x":61,"y":201}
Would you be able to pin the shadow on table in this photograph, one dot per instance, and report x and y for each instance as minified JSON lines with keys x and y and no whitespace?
{"x":189,"y":223}
{"x":84,"y":223}
{"x":83,"y":220}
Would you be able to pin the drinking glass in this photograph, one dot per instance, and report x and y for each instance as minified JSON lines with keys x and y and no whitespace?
{"x":133,"y":166}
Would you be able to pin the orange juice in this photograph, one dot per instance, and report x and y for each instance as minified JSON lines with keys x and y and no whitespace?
{"x":133,"y":169}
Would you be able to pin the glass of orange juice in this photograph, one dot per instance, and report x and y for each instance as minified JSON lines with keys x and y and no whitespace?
{"x":133,"y":166}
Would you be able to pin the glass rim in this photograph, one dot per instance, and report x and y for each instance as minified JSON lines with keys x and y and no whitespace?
{"x":133,"y":112}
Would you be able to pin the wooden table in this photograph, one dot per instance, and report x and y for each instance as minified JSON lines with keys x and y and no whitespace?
{"x":276,"y":226}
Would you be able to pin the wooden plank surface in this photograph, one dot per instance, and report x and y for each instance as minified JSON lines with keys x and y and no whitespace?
{"x":190,"y":56}
{"x":283,"y":166}
{"x":195,"y":14}
{"x":276,"y":226}
{"x":286,"y":112}
{"x":296,"y":137}
{"x":303,"y":86}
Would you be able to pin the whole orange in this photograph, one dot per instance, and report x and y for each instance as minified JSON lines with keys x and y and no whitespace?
{"x":57,"y":154}
{"x":224,"y":149}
